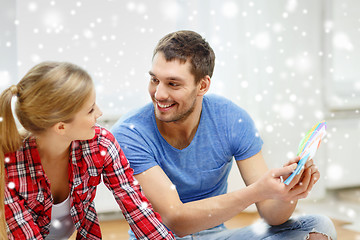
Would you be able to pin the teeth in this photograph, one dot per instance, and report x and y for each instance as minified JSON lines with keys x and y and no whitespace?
{"x":163,"y":106}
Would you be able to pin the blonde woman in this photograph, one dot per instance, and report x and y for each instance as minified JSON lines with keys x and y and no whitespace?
{"x":51,"y":175}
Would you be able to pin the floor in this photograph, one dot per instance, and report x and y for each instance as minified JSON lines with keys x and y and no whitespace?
{"x":117,"y":228}
{"x":343,"y":207}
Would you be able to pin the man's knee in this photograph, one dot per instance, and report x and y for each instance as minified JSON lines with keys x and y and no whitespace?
{"x":318,"y":236}
{"x":323,"y":228}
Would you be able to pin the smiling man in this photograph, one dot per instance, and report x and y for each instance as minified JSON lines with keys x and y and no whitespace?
{"x":181,"y":149}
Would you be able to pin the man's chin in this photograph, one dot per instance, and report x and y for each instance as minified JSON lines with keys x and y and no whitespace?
{"x":162,"y":118}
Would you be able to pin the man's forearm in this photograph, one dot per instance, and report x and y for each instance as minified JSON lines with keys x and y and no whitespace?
{"x":276,"y":212}
{"x":199,"y":215}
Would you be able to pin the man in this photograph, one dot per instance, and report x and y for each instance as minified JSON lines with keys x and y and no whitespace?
{"x":181,"y":148}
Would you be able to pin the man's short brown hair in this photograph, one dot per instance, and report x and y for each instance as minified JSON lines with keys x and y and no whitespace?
{"x":188,"y":45}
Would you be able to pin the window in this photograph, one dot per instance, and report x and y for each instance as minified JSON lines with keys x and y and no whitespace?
{"x":342,"y":71}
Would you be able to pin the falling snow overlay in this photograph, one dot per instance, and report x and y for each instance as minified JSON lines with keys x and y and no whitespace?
{"x":289,"y":64}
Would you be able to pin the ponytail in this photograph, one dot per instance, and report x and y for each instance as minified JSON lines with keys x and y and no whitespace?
{"x":9,"y":135}
{"x":10,"y":141}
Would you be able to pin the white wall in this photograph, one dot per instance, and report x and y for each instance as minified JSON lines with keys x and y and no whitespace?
{"x":273,"y":58}
{"x":8,"y":43}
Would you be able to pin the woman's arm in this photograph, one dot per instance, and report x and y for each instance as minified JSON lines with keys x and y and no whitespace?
{"x":118,"y":177}
{"x":19,"y":221}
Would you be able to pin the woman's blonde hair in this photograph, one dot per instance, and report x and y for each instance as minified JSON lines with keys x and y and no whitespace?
{"x":49,"y":93}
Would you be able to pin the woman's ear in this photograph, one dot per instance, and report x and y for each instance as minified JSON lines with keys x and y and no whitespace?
{"x":59,"y":128}
{"x":204,"y":85}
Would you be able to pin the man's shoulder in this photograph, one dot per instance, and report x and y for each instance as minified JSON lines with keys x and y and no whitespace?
{"x":212,"y":97}
{"x":136,"y":119}
{"x":220,"y":104}
{"x":224,"y":110}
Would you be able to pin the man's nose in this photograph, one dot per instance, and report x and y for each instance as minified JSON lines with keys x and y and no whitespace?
{"x":161,"y":92}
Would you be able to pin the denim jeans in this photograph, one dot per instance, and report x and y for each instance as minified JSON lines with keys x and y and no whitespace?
{"x":297,"y":227}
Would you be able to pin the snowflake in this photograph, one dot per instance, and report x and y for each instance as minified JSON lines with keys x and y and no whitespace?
{"x":292,"y":97}
{"x":269,"y":128}
{"x":244,"y":84}
{"x":262,"y":40}
{"x":171,"y":9}
{"x":230,"y":9}
{"x":269,"y":69}
{"x":52,"y":20}
{"x":144,"y":205}
{"x":291,"y":5}
{"x":259,"y":227}
{"x":303,"y":63}
{"x":287,"y":111}
{"x":88,"y":34}
{"x":32,"y":7}
{"x":290,"y":154}
{"x":342,"y":41}
{"x":57,"y":224}
{"x":334,"y":172}
{"x":11,"y":185}
{"x":35,"y":58}
{"x":258,"y":98}
{"x":5,"y":78}
{"x":351,"y":213}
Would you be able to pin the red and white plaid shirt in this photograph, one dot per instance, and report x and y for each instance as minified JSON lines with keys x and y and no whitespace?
{"x":28,"y":199}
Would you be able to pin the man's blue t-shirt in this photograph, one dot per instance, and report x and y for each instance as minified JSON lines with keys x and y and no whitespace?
{"x":201,"y":169}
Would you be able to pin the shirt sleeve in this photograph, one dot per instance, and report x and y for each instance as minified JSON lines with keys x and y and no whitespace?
{"x":245,"y":140}
{"x":137,"y":210}
{"x":136,"y":145}
{"x":21,"y":224}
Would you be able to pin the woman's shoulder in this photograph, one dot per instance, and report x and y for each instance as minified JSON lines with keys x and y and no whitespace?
{"x":28,"y":144}
{"x":23,"y":162}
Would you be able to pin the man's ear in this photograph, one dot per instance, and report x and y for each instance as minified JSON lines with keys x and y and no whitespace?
{"x":204,"y":85}
{"x":59,"y":128}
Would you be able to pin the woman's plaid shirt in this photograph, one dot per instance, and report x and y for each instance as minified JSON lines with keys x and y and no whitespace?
{"x":28,"y":199}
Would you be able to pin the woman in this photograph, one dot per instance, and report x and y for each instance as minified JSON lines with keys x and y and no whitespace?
{"x":52,"y":173}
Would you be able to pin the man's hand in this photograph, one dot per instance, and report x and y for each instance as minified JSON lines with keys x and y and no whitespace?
{"x":272,"y":186}
{"x":304,"y":182}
